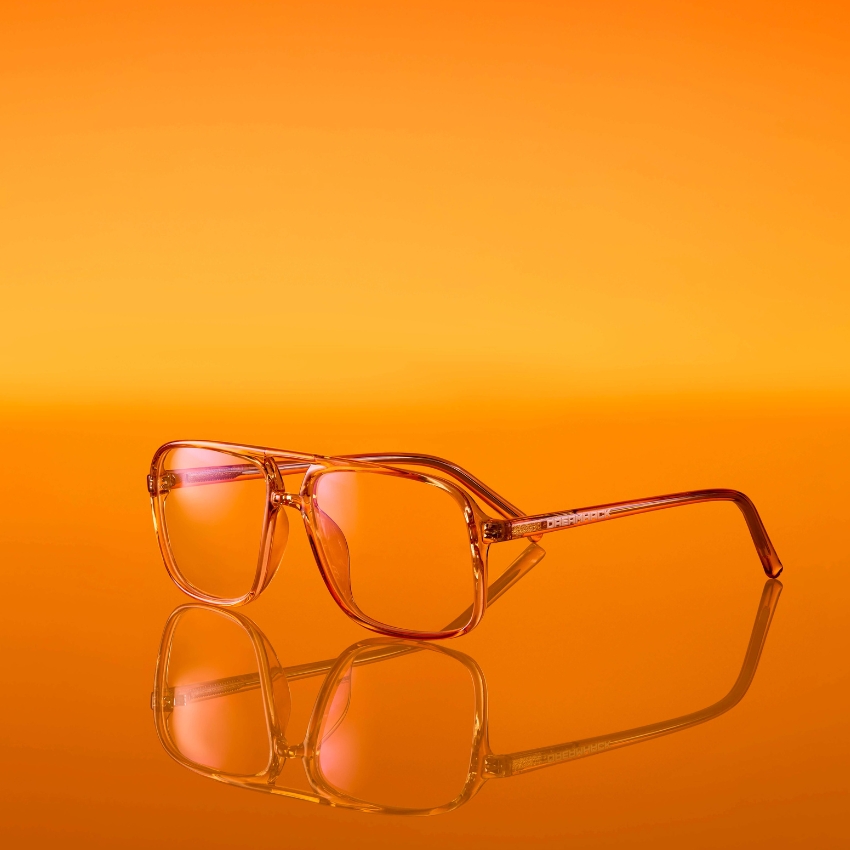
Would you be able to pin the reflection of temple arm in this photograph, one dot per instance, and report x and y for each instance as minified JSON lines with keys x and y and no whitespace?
{"x":216,"y":688}
{"x":534,"y":526}
{"x":522,"y":762}
{"x":213,"y":689}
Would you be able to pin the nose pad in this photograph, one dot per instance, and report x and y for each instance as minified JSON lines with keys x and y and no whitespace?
{"x":280,"y":687}
{"x":280,"y":532}
{"x":338,"y":707}
{"x":335,"y":548}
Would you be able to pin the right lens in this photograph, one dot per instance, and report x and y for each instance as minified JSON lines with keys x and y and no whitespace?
{"x":217,"y":717}
{"x":214,"y":506}
{"x":398,"y":546}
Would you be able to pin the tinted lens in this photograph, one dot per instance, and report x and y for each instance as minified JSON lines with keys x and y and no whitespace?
{"x":218,"y":719}
{"x":214,"y":507}
{"x":402,"y":544}
{"x":399,"y":731}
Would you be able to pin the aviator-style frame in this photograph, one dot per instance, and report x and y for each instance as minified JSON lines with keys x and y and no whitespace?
{"x":507,"y":522}
{"x":484,"y":764}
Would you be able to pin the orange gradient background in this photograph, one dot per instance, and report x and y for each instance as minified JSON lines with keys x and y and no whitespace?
{"x":590,"y":251}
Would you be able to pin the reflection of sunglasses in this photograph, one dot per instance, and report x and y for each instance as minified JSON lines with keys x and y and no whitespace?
{"x":398,"y":727}
{"x":402,"y":540}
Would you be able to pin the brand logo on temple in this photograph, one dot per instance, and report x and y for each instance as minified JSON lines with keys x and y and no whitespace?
{"x":559,"y":521}
{"x":572,"y":518}
{"x":527,"y":528}
{"x":554,"y":756}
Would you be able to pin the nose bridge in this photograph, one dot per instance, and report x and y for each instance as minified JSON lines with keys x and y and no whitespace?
{"x":285,"y":470}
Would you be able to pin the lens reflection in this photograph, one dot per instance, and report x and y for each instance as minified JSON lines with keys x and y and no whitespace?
{"x":217,"y":719}
{"x":398,"y":732}
{"x":396,"y":726}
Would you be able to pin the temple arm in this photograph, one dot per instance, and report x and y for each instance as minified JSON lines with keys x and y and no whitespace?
{"x":500,"y":766}
{"x":462,"y":476}
{"x":172,"y":479}
{"x":534,"y":526}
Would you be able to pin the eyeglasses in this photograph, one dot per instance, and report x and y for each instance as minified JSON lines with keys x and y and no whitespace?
{"x":398,"y":727}
{"x":401,"y":540}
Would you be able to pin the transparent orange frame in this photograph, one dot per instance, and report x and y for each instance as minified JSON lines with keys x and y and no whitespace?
{"x":484,"y":764}
{"x":505,"y":523}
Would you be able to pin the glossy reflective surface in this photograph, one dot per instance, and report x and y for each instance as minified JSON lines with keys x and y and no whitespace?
{"x":624,"y":631}
{"x":394,"y":720}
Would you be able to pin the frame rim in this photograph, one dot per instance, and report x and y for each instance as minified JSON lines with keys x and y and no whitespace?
{"x":478,"y":561}
{"x":479,"y":744}
{"x":264,"y":460}
{"x":161,"y":524}
{"x":262,"y":652}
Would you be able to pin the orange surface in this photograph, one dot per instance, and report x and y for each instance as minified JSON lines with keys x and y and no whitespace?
{"x":589,"y":251}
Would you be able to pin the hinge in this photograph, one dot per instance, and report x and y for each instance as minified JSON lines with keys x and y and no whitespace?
{"x":166,"y":482}
{"x":167,"y":702}
{"x":497,"y":766}
{"x":493,"y":531}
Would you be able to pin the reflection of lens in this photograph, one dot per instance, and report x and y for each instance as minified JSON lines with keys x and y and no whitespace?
{"x":403,"y":545}
{"x":214,"y":506}
{"x":398,"y":732}
{"x":212,"y":681}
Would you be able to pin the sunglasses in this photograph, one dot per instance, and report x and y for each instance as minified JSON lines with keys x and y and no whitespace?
{"x":397,"y":726}
{"x":401,"y":540}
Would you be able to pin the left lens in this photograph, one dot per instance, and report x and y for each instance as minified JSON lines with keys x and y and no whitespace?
{"x":398,"y":732}
{"x":216,"y":705}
